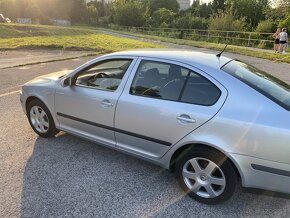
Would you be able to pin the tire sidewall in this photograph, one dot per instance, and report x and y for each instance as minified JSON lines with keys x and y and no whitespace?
{"x":223,"y":163}
{"x":51,"y":130}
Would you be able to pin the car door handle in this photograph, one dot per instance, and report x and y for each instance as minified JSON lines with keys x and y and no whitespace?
{"x":185,"y":119}
{"x":107,"y":103}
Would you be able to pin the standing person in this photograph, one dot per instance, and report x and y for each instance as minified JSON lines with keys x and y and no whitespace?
{"x":283,"y":40}
{"x":277,"y":40}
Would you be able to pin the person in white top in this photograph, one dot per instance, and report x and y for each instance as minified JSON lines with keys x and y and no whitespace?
{"x":283,"y":36}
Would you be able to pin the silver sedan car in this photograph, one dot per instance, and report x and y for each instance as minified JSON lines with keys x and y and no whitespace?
{"x":215,"y":122}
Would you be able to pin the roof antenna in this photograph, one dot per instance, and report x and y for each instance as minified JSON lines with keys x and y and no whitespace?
{"x":220,"y":54}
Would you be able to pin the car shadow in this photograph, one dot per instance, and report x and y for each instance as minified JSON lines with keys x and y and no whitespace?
{"x":68,"y":176}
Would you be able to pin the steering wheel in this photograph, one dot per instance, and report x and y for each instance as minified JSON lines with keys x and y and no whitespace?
{"x":101,"y":75}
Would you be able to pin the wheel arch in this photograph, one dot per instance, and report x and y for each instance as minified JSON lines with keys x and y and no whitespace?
{"x":30,"y":99}
{"x":177,"y":154}
{"x":34,"y":97}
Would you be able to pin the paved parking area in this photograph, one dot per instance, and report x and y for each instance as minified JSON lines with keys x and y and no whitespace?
{"x":70,"y":177}
{"x":12,"y":58}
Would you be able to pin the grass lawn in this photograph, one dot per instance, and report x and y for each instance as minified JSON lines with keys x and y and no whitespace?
{"x":92,"y":42}
{"x":19,"y":30}
{"x":15,"y":36}
{"x":215,"y":46}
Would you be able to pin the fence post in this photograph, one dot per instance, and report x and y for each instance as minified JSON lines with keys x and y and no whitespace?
{"x":249,"y":40}
{"x":181,"y":34}
{"x":227,"y":36}
{"x":208,"y":35}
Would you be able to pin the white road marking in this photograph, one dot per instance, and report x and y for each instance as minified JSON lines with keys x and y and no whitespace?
{"x":9,"y":93}
{"x":13,"y":87}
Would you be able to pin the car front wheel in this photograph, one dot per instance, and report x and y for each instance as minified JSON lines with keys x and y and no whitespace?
{"x":206,"y":176}
{"x":40,"y":119}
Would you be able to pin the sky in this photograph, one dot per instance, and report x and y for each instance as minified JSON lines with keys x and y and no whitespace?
{"x":205,"y":1}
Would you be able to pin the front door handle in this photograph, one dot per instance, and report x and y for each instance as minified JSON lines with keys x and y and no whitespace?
{"x":184,"y":118}
{"x":106,"y":103}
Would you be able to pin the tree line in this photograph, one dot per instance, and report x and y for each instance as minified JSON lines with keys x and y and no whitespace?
{"x":240,"y":15}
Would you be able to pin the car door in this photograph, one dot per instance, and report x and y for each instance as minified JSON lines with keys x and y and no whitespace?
{"x":163,"y":102}
{"x":87,"y":106}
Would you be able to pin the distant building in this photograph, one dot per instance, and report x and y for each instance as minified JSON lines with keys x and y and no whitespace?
{"x":184,"y":4}
{"x":23,"y":20}
{"x":60,"y":22}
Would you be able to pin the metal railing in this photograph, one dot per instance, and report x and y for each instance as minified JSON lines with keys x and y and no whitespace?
{"x":250,"y":39}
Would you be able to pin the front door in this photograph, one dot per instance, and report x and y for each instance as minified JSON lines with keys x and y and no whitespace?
{"x":87,"y":107}
{"x":161,"y":103}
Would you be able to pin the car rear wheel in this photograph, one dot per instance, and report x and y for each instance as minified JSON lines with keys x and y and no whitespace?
{"x":40,"y":119}
{"x":206,"y":176}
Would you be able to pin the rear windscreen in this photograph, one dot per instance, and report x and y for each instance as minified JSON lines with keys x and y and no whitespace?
{"x":271,"y":87}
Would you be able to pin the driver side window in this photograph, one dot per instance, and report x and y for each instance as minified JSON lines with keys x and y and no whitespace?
{"x":159,"y":80}
{"x":105,"y":75}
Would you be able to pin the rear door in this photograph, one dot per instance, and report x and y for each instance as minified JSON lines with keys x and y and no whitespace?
{"x":163,"y":102}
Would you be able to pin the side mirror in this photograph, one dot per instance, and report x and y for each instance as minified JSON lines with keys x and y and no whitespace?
{"x":66,"y":82}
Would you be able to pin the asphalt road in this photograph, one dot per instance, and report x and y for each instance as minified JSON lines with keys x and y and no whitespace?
{"x":21,"y":57}
{"x":70,"y":177}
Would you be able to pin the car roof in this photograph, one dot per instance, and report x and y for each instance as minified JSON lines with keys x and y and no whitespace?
{"x":196,"y":59}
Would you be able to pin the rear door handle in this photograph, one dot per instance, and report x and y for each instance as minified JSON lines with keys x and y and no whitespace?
{"x":184,"y":118}
{"x":106,"y":103}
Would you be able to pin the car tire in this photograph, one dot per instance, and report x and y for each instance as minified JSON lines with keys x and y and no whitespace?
{"x":40,"y":119}
{"x":206,"y":175}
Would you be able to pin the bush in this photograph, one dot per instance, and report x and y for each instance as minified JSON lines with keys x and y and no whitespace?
{"x":190,"y":22}
{"x":266,"y":26}
{"x":262,"y":44}
{"x":226,"y":21}
{"x":285,"y":23}
{"x":103,"y":21}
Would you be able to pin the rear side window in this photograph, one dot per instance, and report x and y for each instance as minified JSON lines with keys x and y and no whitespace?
{"x":172,"y":82}
{"x":199,"y":90}
{"x":269,"y":86}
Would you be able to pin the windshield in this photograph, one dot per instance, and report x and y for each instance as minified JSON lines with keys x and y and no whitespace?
{"x":271,"y":87}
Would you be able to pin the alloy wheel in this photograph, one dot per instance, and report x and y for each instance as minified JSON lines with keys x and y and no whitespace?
{"x":39,"y":119}
{"x":204,"y":177}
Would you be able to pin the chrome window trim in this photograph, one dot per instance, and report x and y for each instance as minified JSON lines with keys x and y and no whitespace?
{"x":190,"y":68}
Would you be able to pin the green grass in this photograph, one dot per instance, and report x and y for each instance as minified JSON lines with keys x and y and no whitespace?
{"x":16,"y":36}
{"x":92,"y":42}
{"x":18,"y":30}
{"x":215,"y":46}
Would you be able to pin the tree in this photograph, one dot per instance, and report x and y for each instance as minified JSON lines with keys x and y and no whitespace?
{"x":281,"y":3}
{"x":78,"y":11}
{"x":218,"y":5}
{"x":163,"y":16}
{"x":200,"y":10}
{"x":9,"y":8}
{"x":285,"y":23}
{"x":154,"y":5}
{"x":93,"y":14}
{"x":252,"y":10}
{"x":128,"y":13}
